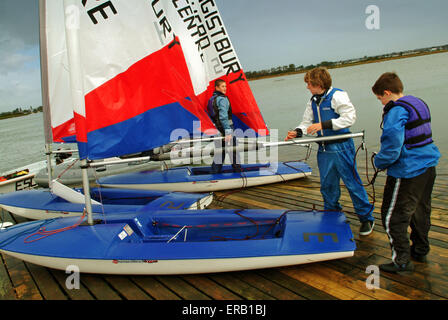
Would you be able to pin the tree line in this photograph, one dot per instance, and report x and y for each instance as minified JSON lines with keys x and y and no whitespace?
{"x":292,"y":68}
{"x":18,"y":112}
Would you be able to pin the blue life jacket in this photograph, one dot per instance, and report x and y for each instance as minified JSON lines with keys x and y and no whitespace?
{"x":418,"y":131}
{"x":213,"y":111}
{"x":324,"y":112}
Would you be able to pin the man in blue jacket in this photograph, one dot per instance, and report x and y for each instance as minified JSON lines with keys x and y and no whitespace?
{"x":220,"y":111}
{"x":410,"y":157}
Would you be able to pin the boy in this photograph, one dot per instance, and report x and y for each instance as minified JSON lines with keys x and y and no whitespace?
{"x":330,"y":112}
{"x":220,"y":111}
{"x":410,"y":156}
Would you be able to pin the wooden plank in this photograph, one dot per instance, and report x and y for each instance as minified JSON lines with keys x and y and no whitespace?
{"x":6,"y":288}
{"x":252,"y":202}
{"x":385,"y":283}
{"x":422,"y":279}
{"x":73,"y":294}
{"x":239,"y":287}
{"x":353,"y":283}
{"x":99,"y":288}
{"x":414,"y":281}
{"x":182,"y":288}
{"x":128,"y":289}
{"x":154,"y":288}
{"x":300,"y":288}
{"x":267,"y":286}
{"x":47,"y":285}
{"x":211,"y":288}
{"x":324,"y":284}
{"x":22,"y":280}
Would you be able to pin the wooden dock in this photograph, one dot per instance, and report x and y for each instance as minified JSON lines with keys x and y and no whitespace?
{"x":343,"y":279}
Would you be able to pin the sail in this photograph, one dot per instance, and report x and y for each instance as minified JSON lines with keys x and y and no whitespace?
{"x":59,"y":124}
{"x":142,"y":69}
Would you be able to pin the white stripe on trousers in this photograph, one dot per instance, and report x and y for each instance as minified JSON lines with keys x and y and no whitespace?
{"x":389,"y":215}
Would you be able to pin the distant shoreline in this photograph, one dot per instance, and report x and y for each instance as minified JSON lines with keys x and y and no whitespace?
{"x":350,"y":64}
{"x":288,"y":73}
{"x":16,"y":115}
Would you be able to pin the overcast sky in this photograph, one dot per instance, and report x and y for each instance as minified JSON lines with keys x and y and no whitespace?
{"x":265,"y":33}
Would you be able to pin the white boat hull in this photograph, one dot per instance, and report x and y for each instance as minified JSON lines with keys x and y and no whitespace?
{"x":41,"y":214}
{"x":172,"y":267}
{"x":25,"y":182}
{"x":212,"y":185}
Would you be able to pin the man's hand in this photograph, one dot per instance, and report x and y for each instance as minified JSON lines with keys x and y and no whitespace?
{"x":312,"y":129}
{"x":228,"y":138}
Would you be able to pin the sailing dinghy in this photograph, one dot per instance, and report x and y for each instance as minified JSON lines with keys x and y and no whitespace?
{"x":45,"y":204}
{"x":139,"y":57}
{"x":179,"y":242}
{"x":200,"y":179}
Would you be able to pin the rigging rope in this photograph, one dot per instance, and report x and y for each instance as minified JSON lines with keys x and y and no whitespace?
{"x":43,"y":232}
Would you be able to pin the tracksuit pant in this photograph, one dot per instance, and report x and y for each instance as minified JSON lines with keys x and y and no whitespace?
{"x":336,"y":161}
{"x":407,"y":202}
{"x":221,"y":148}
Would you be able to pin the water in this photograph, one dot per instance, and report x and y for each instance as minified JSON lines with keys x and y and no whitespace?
{"x":21,"y":141}
{"x":282,"y":101}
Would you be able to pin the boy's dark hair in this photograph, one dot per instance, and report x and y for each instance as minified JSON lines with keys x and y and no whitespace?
{"x":218,"y":82}
{"x":388,"y":81}
{"x":319,"y":77}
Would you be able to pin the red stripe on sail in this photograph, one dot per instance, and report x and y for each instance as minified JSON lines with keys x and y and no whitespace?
{"x":64,"y":130}
{"x":244,"y":105}
{"x":81,"y":132}
{"x":159,"y":79}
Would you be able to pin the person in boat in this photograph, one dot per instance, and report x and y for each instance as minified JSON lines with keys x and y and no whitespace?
{"x":330,"y":112}
{"x":220,"y":111}
{"x":410,"y":156}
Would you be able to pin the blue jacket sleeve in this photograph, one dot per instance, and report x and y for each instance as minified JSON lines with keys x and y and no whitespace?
{"x":223,"y":107}
{"x":392,"y":139}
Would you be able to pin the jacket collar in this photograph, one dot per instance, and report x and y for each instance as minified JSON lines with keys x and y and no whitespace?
{"x":318,"y":97}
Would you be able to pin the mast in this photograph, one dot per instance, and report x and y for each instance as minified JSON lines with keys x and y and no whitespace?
{"x":72,"y":26}
{"x":44,"y":85}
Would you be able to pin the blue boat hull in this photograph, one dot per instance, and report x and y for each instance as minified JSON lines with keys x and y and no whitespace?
{"x":180,"y":242}
{"x":42,"y":204}
{"x":199,"y":179}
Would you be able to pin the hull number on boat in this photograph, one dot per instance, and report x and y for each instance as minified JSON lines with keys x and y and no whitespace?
{"x":25,"y":184}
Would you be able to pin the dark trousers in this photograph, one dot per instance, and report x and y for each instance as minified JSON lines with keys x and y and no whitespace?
{"x":407,"y":202}
{"x":221,"y":148}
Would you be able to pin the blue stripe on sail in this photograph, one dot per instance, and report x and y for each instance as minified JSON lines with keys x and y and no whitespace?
{"x":238,"y":124}
{"x":69,"y":139}
{"x":146,"y":131}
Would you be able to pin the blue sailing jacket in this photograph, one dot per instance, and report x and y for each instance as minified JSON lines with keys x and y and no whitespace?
{"x":220,"y":111}
{"x":325,"y":112}
{"x":400,"y":161}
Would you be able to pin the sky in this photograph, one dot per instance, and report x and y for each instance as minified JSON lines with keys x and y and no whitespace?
{"x":265,"y":34}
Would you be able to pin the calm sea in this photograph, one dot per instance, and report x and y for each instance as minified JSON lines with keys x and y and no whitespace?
{"x":282,"y":101}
